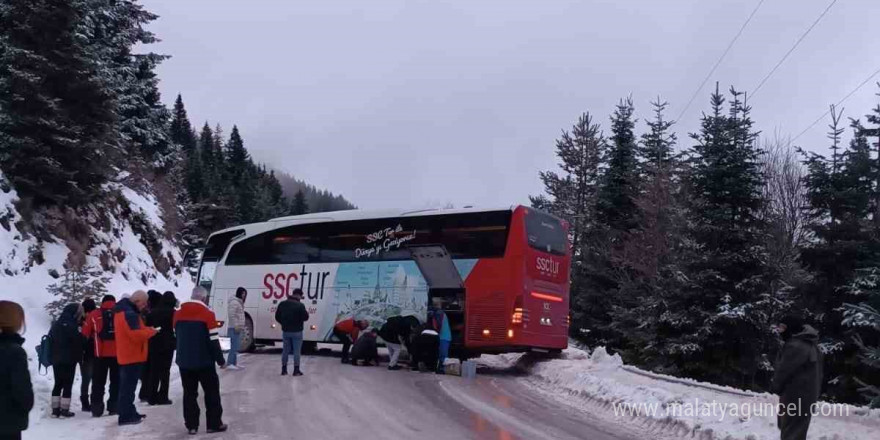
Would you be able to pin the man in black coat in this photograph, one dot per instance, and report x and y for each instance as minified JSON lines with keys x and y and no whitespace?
{"x":365,"y":349}
{"x":292,"y":315}
{"x":161,"y":349}
{"x":16,"y":392}
{"x":798,"y":377}
{"x":395,"y":332}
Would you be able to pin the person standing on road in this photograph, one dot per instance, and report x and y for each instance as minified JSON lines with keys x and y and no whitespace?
{"x":87,"y":364}
{"x":161,"y":350}
{"x":292,"y":315}
{"x":68,"y":345}
{"x":132,"y":342}
{"x":347,"y":331}
{"x":438,"y":322}
{"x":198,"y":349}
{"x":394,"y":332}
{"x":98,"y":328}
{"x":798,"y":377}
{"x":153,"y":301}
{"x":16,"y":391}
{"x":235,"y":324}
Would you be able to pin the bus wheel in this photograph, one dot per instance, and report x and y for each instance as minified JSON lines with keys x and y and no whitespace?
{"x":310,"y":347}
{"x":248,"y":343}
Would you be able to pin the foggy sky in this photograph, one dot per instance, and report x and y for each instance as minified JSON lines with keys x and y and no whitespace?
{"x":413,"y":103}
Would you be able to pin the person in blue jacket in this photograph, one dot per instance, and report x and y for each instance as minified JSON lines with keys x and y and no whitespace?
{"x":438,"y":321}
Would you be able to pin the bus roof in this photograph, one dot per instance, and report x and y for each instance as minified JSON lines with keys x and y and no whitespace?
{"x":353,"y":214}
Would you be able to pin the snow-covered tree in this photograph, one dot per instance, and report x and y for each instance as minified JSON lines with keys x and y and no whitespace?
{"x":76,"y":284}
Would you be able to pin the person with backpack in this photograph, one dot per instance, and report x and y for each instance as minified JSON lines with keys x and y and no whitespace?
{"x":292,"y":315}
{"x":161,"y":351}
{"x":198,"y":349}
{"x":235,"y":324}
{"x":98,"y":327}
{"x":16,"y":391}
{"x":88,"y":360}
{"x":132,"y":337}
{"x":67,"y":350}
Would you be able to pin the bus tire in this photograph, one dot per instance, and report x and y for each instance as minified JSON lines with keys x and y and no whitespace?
{"x":248,"y":342}
{"x":310,"y":347}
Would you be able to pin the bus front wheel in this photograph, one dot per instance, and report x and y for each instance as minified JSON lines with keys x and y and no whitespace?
{"x":248,"y":343}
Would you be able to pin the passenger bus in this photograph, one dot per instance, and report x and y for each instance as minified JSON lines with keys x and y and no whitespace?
{"x":514,"y":264}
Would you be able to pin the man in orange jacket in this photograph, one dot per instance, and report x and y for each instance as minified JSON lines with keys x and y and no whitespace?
{"x":132,"y":338}
{"x":98,"y":328}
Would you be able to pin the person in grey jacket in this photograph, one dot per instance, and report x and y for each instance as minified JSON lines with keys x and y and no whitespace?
{"x":235,"y":325}
{"x":798,"y":377}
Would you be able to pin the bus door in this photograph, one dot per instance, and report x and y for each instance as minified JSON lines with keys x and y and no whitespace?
{"x":444,"y":283}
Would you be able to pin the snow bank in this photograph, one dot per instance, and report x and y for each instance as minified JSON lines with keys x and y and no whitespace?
{"x":599,"y":383}
{"x":25,"y":281}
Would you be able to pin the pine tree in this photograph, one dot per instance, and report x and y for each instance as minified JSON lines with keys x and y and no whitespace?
{"x":865,"y":316}
{"x":237,"y":155}
{"x":181,"y":131}
{"x":299,"y":205}
{"x":58,"y":128}
{"x":573,"y":197}
{"x":620,"y":181}
{"x":78,"y":283}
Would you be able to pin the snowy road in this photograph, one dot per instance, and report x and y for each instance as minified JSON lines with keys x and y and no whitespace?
{"x":335,"y":401}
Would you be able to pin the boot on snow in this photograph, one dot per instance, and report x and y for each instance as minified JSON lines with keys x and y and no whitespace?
{"x":297,"y":372}
{"x":65,"y":408}
{"x":56,"y":406}
{"x":284,"y":370}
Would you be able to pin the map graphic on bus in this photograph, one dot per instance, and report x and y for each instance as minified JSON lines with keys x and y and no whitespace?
{"x":375,"y":291}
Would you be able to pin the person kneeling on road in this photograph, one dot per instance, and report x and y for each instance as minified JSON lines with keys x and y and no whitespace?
{"x":365,"y":349}
{"x":396,"y":332}
{"x":198,"y":349}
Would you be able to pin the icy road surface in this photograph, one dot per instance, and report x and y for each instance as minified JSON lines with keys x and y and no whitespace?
{"x":336,"y":401}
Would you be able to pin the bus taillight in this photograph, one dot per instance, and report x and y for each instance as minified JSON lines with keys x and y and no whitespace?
{"x":510,"y":333}
{"x":517,"y":316}
{"x":567,"y":320}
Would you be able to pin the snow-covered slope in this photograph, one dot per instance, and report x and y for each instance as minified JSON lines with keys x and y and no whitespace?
{"x":28,"y":265}
{"x":600,"y":384}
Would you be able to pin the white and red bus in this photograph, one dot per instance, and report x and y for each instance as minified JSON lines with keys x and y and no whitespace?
{"x":514,"y":263}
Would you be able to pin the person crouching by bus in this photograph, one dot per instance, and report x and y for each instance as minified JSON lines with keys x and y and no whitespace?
{"x":198,"y":349}
{"x":395,"y":333}
{"x":16,"y":391}
{"x":438,"y":322}
{"x":424,"y":349}
{"x":67,"y":351}
{"x":292,"y":315}
{"x":235,"y":324}
{"x":132,"y":337}
{"x":98,"y":328}
{"x":366,"y":349}
{"x":347,"y":332}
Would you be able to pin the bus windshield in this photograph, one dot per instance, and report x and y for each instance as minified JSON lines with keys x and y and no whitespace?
{"x":546,"y":233}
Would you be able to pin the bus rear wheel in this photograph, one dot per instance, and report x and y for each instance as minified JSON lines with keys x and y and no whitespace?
{"x":248,"y":343}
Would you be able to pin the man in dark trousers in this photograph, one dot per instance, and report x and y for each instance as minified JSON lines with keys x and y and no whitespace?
{"x":347,"y":332}
{"x":395,"y":332}
{"x":98,"y":328}
{"x":798,"y":377}
{"x":132,"y":336}
{"x":87,"y":364}
{"x":198,"y":349}
{"x":161,"y":350}
{"x":154,"y":298}
{"x":292,"y":315}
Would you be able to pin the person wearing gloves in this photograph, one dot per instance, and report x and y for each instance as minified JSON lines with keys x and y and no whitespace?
{"x":161,"y":350}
